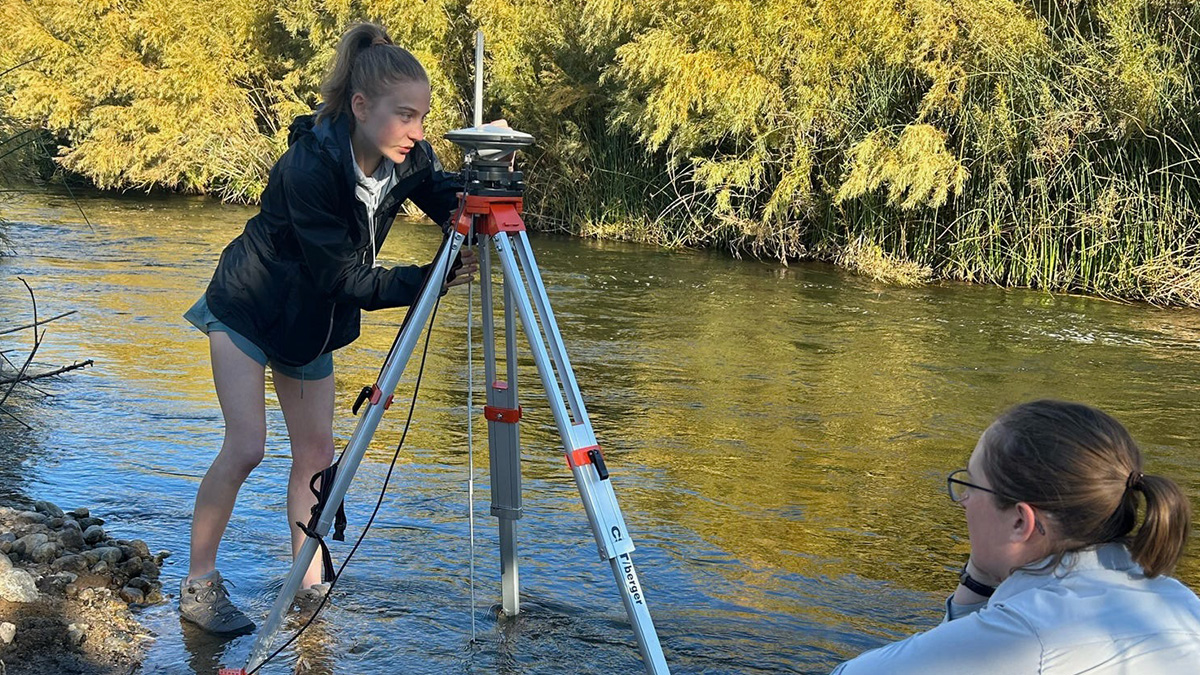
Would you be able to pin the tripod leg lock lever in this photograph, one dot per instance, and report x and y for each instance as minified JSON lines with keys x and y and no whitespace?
{"x":363,"y":397}
{"x":598,"y":460}
{"x":589,"y":455}
{"x":372,"y":393}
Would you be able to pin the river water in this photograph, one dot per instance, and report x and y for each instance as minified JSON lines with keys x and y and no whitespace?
{"x":778,"y":438}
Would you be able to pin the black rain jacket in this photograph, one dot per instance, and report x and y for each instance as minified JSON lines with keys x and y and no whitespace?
{"x":295,"y":280}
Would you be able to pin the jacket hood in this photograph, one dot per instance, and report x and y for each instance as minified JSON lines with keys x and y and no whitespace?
{"x":330,"y":137}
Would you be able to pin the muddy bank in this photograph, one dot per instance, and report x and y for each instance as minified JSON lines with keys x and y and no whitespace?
{"x":66,"y":593}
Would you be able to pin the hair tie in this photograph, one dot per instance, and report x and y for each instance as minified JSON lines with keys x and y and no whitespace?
{"x":380,"y":41}
{"x":1134,"y":481}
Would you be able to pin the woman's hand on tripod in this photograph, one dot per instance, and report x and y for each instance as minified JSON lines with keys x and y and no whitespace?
{"x":464,"y":273}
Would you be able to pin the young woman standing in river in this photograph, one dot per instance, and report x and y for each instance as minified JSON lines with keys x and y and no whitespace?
{"x":289,"y":290}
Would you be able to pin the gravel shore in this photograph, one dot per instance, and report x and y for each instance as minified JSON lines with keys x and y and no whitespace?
{"x":66,"y":593}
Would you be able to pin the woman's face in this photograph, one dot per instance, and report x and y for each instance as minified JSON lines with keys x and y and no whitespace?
{"x":1001,"y":539}
{"x":395,"y":121}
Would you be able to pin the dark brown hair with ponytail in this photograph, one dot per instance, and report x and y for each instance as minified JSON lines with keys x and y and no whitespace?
{"x":1082,"y":468}
{"x":368,"y":62}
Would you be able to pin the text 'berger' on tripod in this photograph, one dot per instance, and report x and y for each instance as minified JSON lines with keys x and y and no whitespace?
{"x":490,"y":213}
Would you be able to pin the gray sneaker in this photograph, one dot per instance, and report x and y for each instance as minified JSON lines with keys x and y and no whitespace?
{"x":205,"y":602}
{"x":307,"y":599}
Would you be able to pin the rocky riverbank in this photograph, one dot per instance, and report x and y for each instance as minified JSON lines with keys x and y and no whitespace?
{"x":66,"y":589}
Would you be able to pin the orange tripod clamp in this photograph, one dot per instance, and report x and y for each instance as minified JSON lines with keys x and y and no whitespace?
{"x":500,"y":214}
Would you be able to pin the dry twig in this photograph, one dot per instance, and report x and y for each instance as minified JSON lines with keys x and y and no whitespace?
{"x":21,"y":375}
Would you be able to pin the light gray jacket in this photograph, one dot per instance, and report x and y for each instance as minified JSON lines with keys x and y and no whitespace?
{"x":1096,"y":613}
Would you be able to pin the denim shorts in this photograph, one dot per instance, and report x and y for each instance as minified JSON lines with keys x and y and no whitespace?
{"x":202,"y":318}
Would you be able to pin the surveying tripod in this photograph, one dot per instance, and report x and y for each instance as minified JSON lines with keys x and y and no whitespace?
{"x":490,"y":212}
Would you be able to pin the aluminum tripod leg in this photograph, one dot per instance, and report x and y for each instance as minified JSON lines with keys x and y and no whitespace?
{"x":503,"y":435}
{"x":389,"y":377}
{"x":579,"y":441}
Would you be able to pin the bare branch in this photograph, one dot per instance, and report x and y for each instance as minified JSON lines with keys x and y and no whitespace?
{"x":28,"y":142}
{"x":7,"y":360}
{"x":17,"y":135}
{"x":18,"y":419}
{"x":6,"y":331}
{"x":51,"y":373}
{"x":23,"y":63}
{"x":36,"y":343}
{"x":21,"y":374}
{"x":32,"y":299}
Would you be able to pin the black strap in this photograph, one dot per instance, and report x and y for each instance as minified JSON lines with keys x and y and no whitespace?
{"x":322,"y":493}
{"x":326,"y":476}
{"x":326,"y":558}
{"x":974,"y":585}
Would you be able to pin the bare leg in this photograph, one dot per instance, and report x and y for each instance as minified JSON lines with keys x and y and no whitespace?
{"x":310,"y":429}
{"x":239,"y":382}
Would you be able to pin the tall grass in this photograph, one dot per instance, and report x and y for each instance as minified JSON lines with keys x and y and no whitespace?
{"x":1055,"y":149}
{"x":1066,"y":193}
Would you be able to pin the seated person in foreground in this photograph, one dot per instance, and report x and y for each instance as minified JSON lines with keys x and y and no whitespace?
{"x":1062,"y":577}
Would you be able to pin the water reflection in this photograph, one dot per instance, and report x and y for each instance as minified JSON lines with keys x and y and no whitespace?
{"x":778,"y":438}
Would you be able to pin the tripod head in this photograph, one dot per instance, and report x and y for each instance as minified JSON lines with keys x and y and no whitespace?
{"x":487,"y":167}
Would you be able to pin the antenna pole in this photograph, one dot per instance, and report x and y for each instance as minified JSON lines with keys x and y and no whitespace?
{"x":478,"y":79}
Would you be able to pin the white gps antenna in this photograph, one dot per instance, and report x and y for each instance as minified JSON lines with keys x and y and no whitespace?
{"x":488,"y":142}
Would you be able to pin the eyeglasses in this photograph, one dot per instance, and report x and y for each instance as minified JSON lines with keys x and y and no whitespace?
{"x":960,"y":489}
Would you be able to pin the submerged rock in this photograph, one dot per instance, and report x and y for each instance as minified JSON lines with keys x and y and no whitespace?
{"x":7,"y":632}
